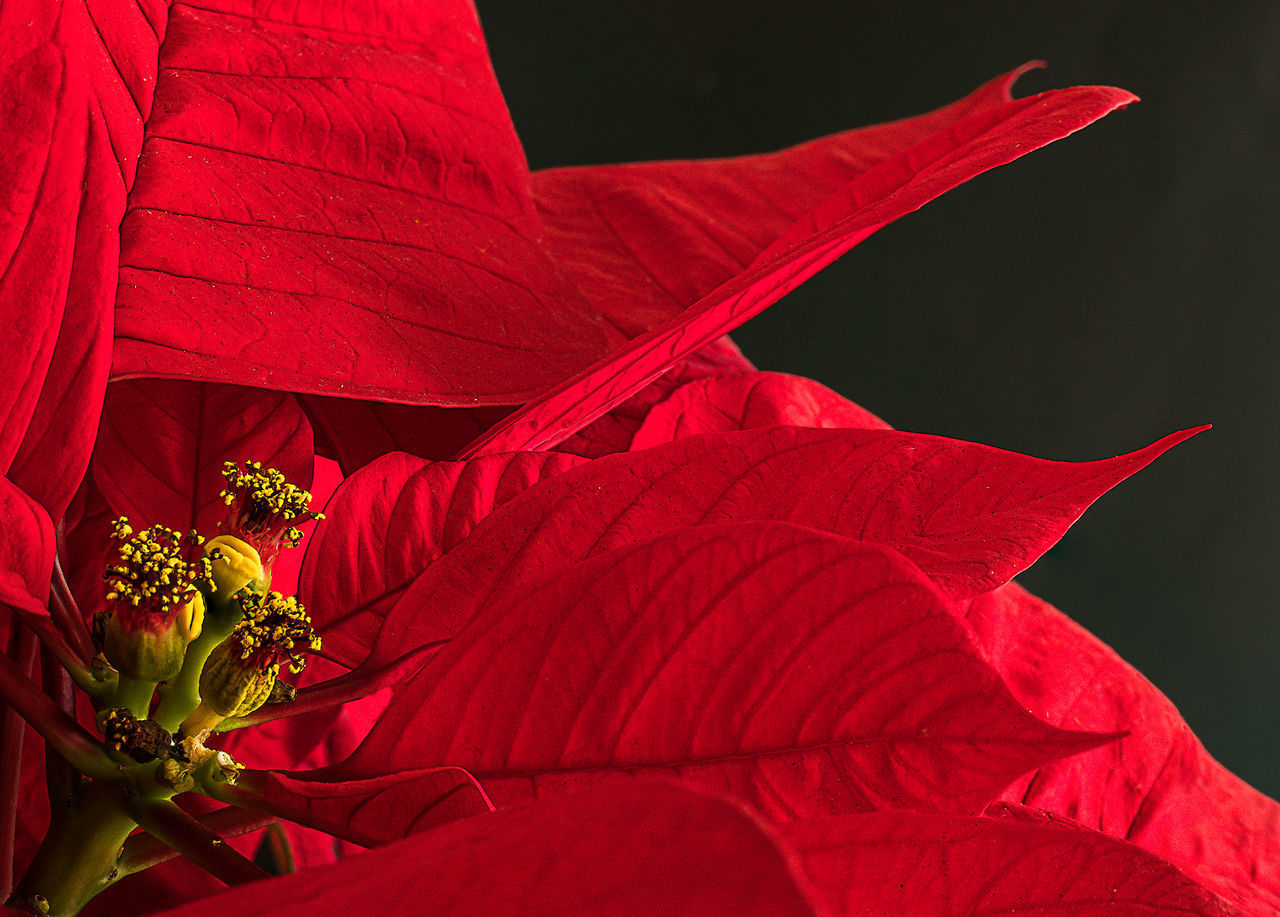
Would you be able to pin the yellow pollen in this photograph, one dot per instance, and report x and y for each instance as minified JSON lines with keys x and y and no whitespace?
{"x":275,"y":627}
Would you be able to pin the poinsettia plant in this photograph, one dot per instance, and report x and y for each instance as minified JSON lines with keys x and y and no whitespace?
{"x":596,"y":618}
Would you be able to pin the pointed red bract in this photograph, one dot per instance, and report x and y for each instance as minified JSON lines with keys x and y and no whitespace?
{"x":163,"y":444}
{"x":892,"y":188}
{"x":653,"y":849}
{"x":903,"y":863}
{"x":970,"y":516}
{"x":647,"y":239}
{"x":368,"y":812}
{"x":801,"y":672}
{"x":332,"y":200}
{"x":392,"y":520}
{"x":1157,"y":787}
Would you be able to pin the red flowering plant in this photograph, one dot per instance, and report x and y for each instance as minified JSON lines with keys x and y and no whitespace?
{"x":599,"y":619}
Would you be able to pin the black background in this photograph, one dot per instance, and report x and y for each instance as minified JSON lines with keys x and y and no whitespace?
{"x":1073,"y":305}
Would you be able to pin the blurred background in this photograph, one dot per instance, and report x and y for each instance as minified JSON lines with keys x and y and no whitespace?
{"x":1076,"y":304}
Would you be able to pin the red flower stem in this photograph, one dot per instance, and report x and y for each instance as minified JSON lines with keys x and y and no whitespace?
{"x":54,"y":641}
{"x":66,"y":614}
{"x":60,"y":778}
{"x":63,"y":734}
{"x":22,"y":649}
{"x":174,"y":827}
{"x":142,"y":851}
{"x":351,"y":686}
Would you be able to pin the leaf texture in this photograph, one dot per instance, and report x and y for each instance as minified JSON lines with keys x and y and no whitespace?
{"x":655,"y":849}
{"x":744,"y":401}
{"x":645,"y":240}
{"x":368,"y":812}
{"x":801,"y":672}
{"x":1157,"y":787}
{"x":80,"y":76}
{"x":391,"y":521}
{"x":332,"y":200}
{"x":163,"y":443}
{"x":902,"y":863}
{"x":969,"y":516}
{"x":893,"y":187}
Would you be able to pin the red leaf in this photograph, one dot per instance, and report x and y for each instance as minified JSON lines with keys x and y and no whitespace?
{"x":984,"y":139}
{"x":1158,"y":787}
{"x":392,"y":520}
{"x":367,"y":812}
{"x":329,"y":193}
{"x":26,"y":555}
{"x":970,"y":516}
{"x":615,"y":431}
{"x":647,"y":239}
{"x":902,"y":863}
{"x":801,"y":672}
{"x":654,"y":849}
{"x":79,"y":89}
{"x":163,"y":444}
{"x":748,"y":400}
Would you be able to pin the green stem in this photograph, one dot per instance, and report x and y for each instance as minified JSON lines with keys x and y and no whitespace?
{"x":136,"y":695}
{"x":79,"y":854}
{"x":182,"y":695}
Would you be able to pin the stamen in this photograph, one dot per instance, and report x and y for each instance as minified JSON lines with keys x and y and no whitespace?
{"x":158,"y":573}
{"x":264,"y":508}
{"x":273,"y":627}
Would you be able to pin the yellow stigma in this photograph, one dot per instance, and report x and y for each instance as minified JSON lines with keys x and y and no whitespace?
{"x":275,"y":627}
{"x":262,"y":506}
{"x":159,"y":570}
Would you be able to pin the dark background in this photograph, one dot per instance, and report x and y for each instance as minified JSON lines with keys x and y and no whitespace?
{"x":1073,"y":305}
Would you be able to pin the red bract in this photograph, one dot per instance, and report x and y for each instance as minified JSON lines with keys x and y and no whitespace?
{"x":321,"y":235}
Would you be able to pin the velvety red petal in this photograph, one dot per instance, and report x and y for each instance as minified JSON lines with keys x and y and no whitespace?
{"x":969,"y":516}
{"x":894,"y":187}
{"x":392,"y":520}
{"x":163,"y":443}
{"x":903,"y":863}
{"x":1157,"y":787}
{"x":653,"y":849}
{"x":331,"y":199}
{"x":799,"y":671}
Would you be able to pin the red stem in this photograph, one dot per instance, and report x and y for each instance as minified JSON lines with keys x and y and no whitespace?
{"x":169,"y":824}
{"x":60,"y":731}
{"x":351,"y":686}
{"x":142,"y":851}
{"x":60,"y":777}
{"x":22,"y":652}
{"x":66,"y":614}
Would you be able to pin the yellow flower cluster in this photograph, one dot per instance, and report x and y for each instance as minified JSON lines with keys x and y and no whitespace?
{"x":261,"y":501}
{"x":273,"y":626}
{"x":156,"y":571}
